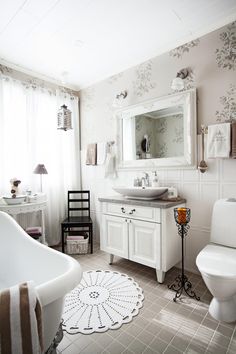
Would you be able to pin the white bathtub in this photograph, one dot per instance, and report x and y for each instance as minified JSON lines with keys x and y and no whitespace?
{"x":54,"y":273}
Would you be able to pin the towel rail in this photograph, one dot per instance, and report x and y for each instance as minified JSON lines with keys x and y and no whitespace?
{"x":204,"y":128}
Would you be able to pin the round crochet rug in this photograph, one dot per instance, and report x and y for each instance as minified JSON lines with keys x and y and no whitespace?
{"x":102,"y":300}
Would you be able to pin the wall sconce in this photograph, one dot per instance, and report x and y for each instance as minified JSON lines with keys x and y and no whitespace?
{"x":64,"y":118}
{"x":178,"y":82}
{"x":119,"y":99}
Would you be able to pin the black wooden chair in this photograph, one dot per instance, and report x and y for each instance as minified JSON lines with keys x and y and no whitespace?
{"x":78,"y":218}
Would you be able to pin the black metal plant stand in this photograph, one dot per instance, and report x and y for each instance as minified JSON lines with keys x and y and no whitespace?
{"x":181,"y":283}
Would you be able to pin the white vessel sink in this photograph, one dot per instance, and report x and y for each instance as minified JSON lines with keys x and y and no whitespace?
{"x":144,"y":193}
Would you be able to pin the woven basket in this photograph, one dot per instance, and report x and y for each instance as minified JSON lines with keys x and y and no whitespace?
{"x":77,"y":246}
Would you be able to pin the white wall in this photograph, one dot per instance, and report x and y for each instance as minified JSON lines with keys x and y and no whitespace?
{"x":214,"y":76}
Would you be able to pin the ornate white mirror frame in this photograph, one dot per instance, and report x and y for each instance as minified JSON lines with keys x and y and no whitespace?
{"x":187,"y":100}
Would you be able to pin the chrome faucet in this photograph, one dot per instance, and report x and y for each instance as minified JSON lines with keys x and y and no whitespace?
{"x":146,"y":180}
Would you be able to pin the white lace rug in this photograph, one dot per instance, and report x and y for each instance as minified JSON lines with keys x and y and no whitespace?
{"x":103,"y":300}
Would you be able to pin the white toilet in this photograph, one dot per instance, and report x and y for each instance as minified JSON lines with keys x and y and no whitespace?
{"x":217,"y":261}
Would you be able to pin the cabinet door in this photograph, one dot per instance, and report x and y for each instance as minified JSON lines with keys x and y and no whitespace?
{"x":114,"y":235}
{"x":144,"y":243}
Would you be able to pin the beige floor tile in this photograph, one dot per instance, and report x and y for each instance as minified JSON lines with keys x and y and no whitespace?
{"x":104,"y":339}
{"x":134,"y":330}
{"x":136,"y":346}
{"x":64,"y":343}
{"x":148,"y":315}
{"x":158,"y":344}
{"x":209,"y":323}
{"x":195,"y":349}
{"x":183,"y":311}
{"x":146,"y":337}
{"x":221,"y":340}
{"x":71,"y":349}
{"x":149,"y":350}
{"x":232,"y":345}
{"x":172,"y":350}
{"x":214,"y":348}
{"x":115,"y":332}
{"x":93,"y":348}
{"x":181,"y":342}
{"x":83,"y":341}
{"x":153,"y":328}
{"x":226,"y":331}
{"x":167,"y":333}
{"x":115,"y":347}
{"x":125,"y":339}
{"x":140,"y":321}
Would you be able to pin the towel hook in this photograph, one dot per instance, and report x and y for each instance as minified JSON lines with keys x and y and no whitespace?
{"x":110,"y":143}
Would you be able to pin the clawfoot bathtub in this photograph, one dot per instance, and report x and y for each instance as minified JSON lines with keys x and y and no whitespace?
{"x":54,"y":273}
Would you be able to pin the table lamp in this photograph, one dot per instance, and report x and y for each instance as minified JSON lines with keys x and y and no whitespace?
{"x":40,"y":169}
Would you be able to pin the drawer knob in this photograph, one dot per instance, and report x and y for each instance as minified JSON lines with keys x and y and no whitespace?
{"x":132,"y":211}
{"x":123,"y":210}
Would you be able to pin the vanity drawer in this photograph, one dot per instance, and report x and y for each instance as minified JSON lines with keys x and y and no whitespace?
{"x":134,"y":211}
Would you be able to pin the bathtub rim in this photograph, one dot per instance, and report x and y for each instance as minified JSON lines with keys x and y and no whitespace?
{"x":58,"y":286}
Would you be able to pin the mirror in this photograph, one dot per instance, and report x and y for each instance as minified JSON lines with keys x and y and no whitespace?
{"x":159,"y":133}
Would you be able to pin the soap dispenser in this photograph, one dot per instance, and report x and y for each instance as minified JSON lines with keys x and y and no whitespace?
{"x":155,"y":182}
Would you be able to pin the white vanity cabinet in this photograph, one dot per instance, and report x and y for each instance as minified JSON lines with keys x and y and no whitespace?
{"x":144,"y":232}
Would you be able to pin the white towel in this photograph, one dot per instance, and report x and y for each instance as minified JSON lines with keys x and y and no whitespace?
{"x":91,"y":158}
{"x":218,"y":141}
{"x":20,"y":320}
{"x":110,"y":165}
{"x":101,"y":153}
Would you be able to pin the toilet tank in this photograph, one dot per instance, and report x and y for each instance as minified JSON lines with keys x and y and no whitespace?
{"x":223,"y":222}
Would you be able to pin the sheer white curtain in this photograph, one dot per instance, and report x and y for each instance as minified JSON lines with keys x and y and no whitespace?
{"x":28,"y":136}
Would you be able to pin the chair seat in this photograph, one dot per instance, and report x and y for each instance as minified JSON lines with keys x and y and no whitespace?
{"x":77,"y":220}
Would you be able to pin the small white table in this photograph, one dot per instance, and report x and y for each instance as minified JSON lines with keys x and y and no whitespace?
{"x":25,"y":208}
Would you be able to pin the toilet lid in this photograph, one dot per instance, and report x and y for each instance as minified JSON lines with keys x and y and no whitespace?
{"x":217,"y":261}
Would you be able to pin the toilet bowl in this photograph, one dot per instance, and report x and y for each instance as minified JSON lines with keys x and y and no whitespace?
{"x":217,"y":262}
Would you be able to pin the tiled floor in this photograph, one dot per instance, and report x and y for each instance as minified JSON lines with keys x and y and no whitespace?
{"x":161,"y":326}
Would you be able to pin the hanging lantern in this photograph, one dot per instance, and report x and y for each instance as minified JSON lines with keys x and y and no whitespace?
{"x":64,"y":118}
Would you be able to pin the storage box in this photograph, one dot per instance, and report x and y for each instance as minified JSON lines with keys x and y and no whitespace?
{"x":79,"y":246}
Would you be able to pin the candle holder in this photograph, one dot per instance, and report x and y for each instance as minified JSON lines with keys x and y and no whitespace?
{"x":181,"y":283}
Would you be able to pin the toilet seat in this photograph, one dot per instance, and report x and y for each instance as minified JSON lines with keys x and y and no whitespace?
{"x":217,"y":261}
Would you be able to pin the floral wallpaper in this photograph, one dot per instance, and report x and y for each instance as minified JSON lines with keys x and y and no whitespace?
{"x":185,"y":48}
{"x":143,"y":82}
{"x":226,"y":54}
{"x":228,"y":103}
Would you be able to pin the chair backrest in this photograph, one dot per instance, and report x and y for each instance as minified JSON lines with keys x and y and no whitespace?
{"x":78,"y":203}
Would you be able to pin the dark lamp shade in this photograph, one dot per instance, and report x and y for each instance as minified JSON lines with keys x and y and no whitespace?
{"x":40,"y":169}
